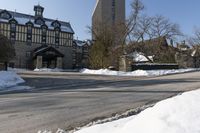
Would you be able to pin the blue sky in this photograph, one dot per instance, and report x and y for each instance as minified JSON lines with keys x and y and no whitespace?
{"x":79,"y":12}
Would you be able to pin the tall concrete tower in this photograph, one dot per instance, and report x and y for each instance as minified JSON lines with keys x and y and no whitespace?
{"x":108,"y":12}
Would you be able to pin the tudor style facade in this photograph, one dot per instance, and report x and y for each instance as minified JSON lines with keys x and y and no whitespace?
{"x":38,"y":41}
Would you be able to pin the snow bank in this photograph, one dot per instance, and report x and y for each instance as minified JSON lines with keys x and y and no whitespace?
{"x":136,"y":73}
{"x":180,"y":114}
{"x":48,"y":70}
{"x":8,"y":79}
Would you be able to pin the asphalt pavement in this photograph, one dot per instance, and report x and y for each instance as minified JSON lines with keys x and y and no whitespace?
{"x":72,"y":100}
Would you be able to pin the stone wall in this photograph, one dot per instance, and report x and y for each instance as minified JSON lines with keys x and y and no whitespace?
{"x":24,"y":59}
{"x":185,"y":60}
{"x":125,"y":63}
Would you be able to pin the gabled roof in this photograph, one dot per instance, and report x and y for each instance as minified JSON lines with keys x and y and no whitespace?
{"x":44,"y":48}
{"x":80,"y":43}
{"x":24,"y":18}
{"x":155,"y":42}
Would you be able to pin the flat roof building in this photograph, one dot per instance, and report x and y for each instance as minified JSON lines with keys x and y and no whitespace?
{"x":108,"y":12}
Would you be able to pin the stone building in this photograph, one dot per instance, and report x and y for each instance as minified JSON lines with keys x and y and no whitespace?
{"x":81,"y":54}
{"x":38,"y":41}
{"x":109,"y":13}
{"x":188,"y":57}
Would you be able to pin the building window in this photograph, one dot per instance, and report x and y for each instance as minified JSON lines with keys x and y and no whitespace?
{"x":13,"y":32}
{"x":13,"y":27}
{"x":39,"y":12}
{"x":12,"y":35}
{"x":57,"y":36}
{"x":113,"y":11}
{"x":44,"y":34}
{"x":29,"y":28}
{"x":29,"y":34}
{"x":28,"y":54}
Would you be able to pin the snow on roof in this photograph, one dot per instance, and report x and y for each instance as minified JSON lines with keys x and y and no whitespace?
{"x":24,"y":18}
{"x":3,"y":20}
{"x":139,"y":57}
{"x":80,"y":43}
{"x":193,"y":53}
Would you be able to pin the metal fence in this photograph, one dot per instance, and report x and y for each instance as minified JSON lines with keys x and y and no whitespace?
{"x":154,"y":66}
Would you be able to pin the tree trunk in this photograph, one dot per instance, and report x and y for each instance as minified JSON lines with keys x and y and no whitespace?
{"x":6,"y":66}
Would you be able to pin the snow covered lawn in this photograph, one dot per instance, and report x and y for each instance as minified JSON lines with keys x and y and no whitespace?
{"x":180,"y":114}
{"x":137,"y":72}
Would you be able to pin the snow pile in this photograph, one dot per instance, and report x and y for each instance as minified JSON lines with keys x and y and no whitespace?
{"x":8,"y":79}
{"x":48,"y":70}
{"x":180,"y":114}
{"x":136,"y":73}
{"x":99,"y":72}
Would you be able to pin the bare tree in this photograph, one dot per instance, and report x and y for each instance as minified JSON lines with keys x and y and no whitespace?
{"x":131,"y":24}
{"x":142,"y":29}
{"x":195,"y":39}
{"x":150,"y":37}
{"x":112,"y":39}
{"x":161,"y":26}
{"x":7,"y":51}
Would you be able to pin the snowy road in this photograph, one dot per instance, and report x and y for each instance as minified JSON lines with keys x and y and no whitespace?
{"x":69,"y":105}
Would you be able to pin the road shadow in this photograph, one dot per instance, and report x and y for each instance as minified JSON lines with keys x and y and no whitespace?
{"x":45,"y":84}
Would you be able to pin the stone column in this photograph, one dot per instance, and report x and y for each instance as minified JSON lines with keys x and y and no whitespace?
{"x":59,"y":62}
{"x":39,"y":62}
{"x":125,"y":63}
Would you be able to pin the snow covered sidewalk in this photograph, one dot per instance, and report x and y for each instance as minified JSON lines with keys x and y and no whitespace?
{"x":137,"y":72}
{"x":180,"y":114}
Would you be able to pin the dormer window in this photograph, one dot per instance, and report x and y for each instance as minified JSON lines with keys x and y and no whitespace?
{"x":5,"y":15}
{"x":56,"y":24}
{"x":39,"y":21}
{"x":13,"y":24}
{"x":29,"y":27}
